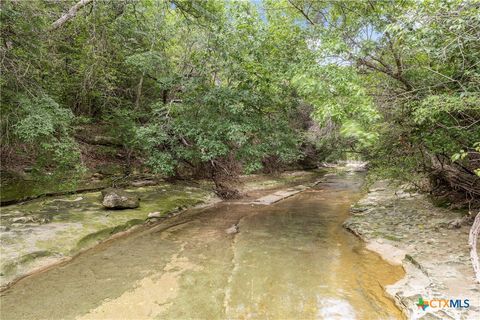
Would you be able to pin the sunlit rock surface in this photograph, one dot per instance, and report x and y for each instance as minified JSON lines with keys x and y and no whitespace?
{"x":405,"y":228}
{"x":119,"y":199}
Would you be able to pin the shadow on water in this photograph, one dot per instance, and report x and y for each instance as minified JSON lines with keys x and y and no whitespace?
{"x":291,"y":260}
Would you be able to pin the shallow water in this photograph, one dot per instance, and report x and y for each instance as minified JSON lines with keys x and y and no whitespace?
{"x":290,"y":260}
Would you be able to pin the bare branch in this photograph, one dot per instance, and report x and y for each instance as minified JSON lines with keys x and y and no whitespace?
{"x":304,"y":14}
{"x":389,"y":72}
{"x":70,"y":14}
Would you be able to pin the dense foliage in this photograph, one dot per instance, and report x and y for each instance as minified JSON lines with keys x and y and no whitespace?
{"x":218,"y":88}
{"x":414,"y":99}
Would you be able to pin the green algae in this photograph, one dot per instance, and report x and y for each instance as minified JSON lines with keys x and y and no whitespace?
{"x":384,"y":235}
{"x":11,"y":267}
{"x":22,"y":189}
{"x":289,"y":260}
{"x":65,"y":225}
{"x":96,"y":237}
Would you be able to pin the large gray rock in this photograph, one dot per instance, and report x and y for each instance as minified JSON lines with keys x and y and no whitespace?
{"x":119,"y":199}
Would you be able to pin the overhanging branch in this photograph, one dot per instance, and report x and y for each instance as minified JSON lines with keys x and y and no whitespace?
{"x":70,"y":14}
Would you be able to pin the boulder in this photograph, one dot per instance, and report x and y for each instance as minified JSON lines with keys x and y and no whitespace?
{"x":119,"y":199}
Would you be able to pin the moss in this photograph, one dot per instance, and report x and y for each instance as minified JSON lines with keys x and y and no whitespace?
{"x":110,"y":169}
{"x":69,"y":224}
{"x":103,"y":234}
{"x":21,"y":189}
{"x":11,"y":267}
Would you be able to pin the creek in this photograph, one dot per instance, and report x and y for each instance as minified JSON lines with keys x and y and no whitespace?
{"x":289,"y":260}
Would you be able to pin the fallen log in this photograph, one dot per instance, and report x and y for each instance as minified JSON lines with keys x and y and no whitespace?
{"x":457,"y":177}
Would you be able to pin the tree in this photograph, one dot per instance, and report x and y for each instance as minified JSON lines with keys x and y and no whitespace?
{"x":418,"y":62}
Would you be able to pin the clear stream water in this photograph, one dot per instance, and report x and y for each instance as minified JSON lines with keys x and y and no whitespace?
{"x":290,"y":260}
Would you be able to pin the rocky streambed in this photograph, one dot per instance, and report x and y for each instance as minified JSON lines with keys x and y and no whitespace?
{"x":46,"y":231}
{"x":278,"y":254}
{"x":431,"y":244}
{"x":38,"y":233}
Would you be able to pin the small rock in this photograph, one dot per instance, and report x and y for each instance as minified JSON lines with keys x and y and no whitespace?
{"x":143,"y":183}
{"x":455,"y":224}
{"x":119,"y":199}
{"x":357,"y":209}
{"x":97,"y":175}
{"x":155,"y":214}
{"x":23,"y":219}
{"x":232,"y":230}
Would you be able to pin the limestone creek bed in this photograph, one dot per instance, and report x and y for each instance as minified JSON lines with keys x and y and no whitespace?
{"x":431,"y":243}
{"x":43,"y":231}
{"x":38,"y":233}
{"x":290,"y":259}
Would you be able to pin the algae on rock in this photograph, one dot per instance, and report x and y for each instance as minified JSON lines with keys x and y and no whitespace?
{"x":43,"y":231}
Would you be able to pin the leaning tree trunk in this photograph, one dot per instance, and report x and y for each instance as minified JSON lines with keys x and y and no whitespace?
{"x":224,"y":173}
{"x":472,"y":242}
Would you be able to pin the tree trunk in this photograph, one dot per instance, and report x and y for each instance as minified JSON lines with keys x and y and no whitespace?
{"x":456,"y":176}
{"x":224,"y":174}
{"x":139,"y":92}
{"x":472,"y":242}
